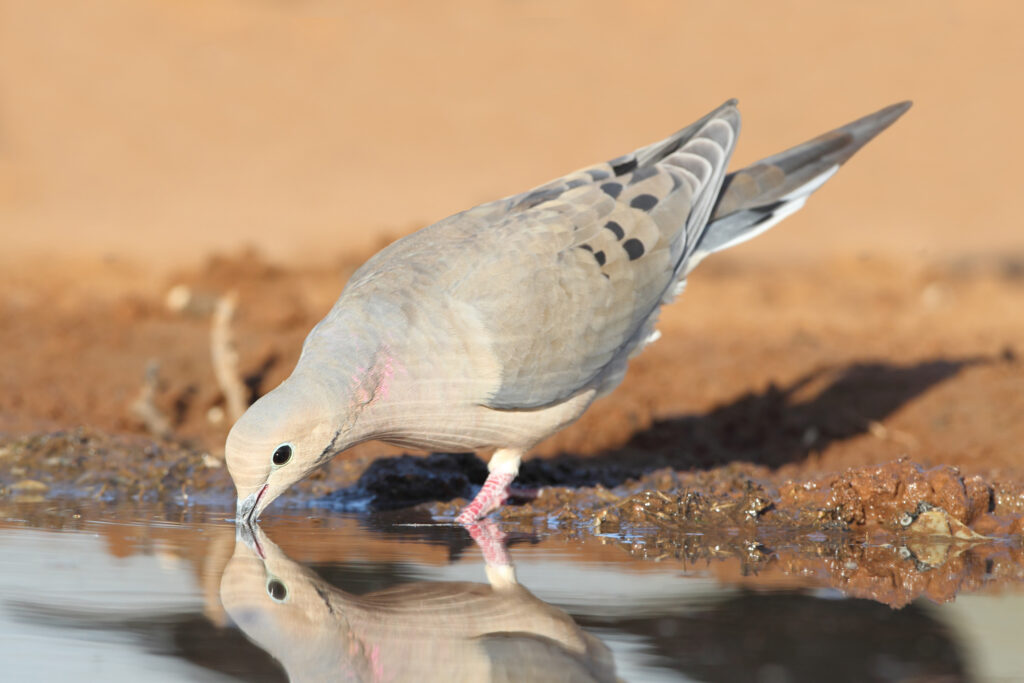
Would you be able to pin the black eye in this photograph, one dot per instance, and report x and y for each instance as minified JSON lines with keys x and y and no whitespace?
{"x":283,"y":454}
{"x":276,"y":590}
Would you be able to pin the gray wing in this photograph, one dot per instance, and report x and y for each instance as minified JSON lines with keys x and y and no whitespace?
{"x":567,"y":275}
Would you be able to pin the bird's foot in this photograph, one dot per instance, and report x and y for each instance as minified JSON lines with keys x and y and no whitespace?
{"x":491,"y":496}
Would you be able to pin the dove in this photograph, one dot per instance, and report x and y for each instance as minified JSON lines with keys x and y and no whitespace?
{"x":418,"y":631}
{"x":496,"y":327}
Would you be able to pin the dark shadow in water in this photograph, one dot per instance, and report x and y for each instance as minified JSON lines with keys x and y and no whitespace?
{"x":796,"y":637}
{"x":773,"y":428}
{"x":190,"y":637}
{"x":419,"y":526}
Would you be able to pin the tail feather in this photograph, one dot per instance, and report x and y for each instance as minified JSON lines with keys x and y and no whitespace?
{"x":755,"y":198}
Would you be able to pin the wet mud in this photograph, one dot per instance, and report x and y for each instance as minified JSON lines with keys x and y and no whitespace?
{"x":891,"y":533}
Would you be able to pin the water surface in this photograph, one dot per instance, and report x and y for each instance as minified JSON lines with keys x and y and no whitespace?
{"x":113,"y":593}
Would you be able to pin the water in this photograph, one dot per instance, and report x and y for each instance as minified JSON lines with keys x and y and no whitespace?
{"x":174,"y":594}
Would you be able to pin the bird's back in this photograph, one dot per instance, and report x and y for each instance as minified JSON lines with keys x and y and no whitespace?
{"x":562,"y":280}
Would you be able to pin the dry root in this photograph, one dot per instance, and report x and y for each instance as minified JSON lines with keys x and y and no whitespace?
{"x":225,"y":356}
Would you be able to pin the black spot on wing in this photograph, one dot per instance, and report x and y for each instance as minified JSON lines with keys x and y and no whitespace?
{"x":623,"y":165}
{"x":599,"y":174}
{"x":577,"y":182}
{"x":670,"y":148}
{"x":642,"y":174}
{"x":538,"y":197}
{"x":616,"y":229}
{"x":613,"y":190}
{"x":599,"y":256}
{"x":587,"y":247}
{"x":769,"y":212}
{"x":634,"y":248}
{"x":773,"y":207}
{"x":644,"y":202}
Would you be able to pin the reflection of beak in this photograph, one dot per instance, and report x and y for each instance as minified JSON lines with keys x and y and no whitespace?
{"x":249,"y":534}
{"x":248,"y":510}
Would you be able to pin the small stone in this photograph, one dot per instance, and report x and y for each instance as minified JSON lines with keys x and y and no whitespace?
{"x":933,"y":295}
{"x":212,"y":462}
{"x":178,"y":298}
{"x":29,"y":486}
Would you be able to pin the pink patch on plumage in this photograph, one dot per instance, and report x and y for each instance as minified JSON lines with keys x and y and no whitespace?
{"x":373,"y":384}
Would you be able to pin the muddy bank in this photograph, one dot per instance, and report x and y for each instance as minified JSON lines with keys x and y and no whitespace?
{"x":891,"y":532}
{"x":898,"y":496}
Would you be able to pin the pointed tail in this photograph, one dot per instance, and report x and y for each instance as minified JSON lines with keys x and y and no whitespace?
{"x":757,"y":197}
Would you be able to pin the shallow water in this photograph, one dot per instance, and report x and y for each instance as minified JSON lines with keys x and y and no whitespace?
{"x":112,"y":593}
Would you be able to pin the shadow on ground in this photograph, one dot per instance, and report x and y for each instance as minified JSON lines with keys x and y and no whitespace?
{"x":778,"y":426}
{"x":775,"y":427}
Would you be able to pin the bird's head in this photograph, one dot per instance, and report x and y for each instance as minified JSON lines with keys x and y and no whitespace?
{"x":279,"y":440}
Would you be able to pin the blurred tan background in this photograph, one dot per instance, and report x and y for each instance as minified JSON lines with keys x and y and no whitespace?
{"x":159,"y":130}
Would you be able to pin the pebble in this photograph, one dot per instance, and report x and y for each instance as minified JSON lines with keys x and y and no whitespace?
{"x":29,"y":486}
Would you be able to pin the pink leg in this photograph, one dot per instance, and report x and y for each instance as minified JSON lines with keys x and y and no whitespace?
{"x":490,"y":498}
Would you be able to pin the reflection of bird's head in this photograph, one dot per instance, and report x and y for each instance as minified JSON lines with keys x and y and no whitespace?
{"x":284,"y":608}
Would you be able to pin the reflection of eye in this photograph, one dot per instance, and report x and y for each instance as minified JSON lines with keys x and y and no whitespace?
{"x":276,"y":590}
{"x":283,"y":454}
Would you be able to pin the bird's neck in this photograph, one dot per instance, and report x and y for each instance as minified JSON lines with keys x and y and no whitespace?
{"x":352,"y":368}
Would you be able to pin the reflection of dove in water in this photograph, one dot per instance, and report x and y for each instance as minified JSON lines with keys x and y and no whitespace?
{"x":498,"y":326}
{"x":412,"y":632}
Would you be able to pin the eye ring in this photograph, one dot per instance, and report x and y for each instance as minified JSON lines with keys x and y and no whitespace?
{"x":277,"y":590}
{"x":282,"y":454}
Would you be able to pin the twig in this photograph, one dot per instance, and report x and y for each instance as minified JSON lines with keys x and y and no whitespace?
{"x":225,"y":356}
{"x":144,"y":406}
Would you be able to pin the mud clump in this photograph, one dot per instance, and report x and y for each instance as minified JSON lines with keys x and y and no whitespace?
{"x":660,"y":509}
{"x":889,"y":495}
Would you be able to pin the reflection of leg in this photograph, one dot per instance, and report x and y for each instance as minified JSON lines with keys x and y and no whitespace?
{"x":504,"y":466}
{"x":491,"y":541}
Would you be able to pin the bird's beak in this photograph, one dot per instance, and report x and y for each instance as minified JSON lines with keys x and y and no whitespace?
{"x":247,"y":510}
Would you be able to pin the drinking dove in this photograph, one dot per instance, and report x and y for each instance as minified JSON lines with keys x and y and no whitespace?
{"x":498,"y":326}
